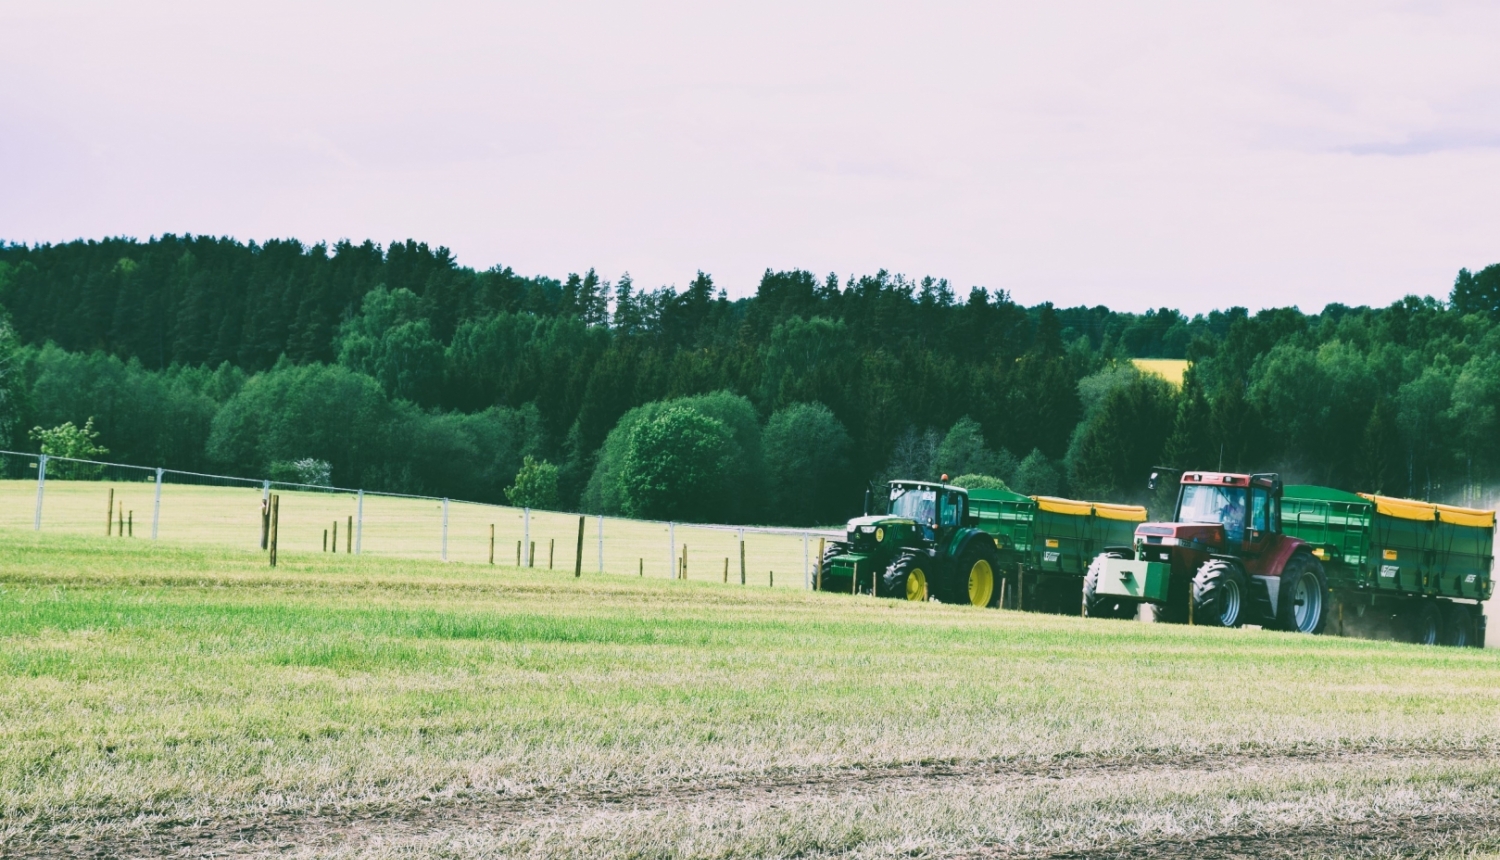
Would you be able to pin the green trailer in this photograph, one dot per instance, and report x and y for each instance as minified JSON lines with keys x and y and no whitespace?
{"x":1397,"y":568}
{"x":1045,"y":544}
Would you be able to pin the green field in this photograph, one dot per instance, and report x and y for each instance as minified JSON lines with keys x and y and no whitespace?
{"x":167,"y":699}
{"x":407,"y":528}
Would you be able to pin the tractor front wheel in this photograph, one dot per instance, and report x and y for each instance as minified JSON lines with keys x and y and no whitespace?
{"x":906,"y":578}
{"x":1303,"y":596}
{"x":1218,"y":594}
{"x":972,"y":577}
{"x":831,"y":550}
{"x":1098,"y":605}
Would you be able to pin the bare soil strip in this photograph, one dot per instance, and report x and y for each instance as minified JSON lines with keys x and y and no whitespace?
{"x":1397,"y":836}
{"x":142,"y":837}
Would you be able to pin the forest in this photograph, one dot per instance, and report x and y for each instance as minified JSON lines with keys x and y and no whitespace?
{"x":401,"y":369}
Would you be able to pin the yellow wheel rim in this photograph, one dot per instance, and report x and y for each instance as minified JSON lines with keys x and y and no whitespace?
{"x":981,"y":583}
{"x":916,"y":585}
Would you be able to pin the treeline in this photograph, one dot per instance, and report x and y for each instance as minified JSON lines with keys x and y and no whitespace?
{"x":406,"y":371}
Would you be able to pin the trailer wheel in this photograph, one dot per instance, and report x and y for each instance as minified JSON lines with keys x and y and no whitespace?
{"x":830,"y":550}
{"x":1104,"y":605}
{"x":1219,"y":594}
{"x":906,"y":578}
{"x":1424,"y":622}
{"x":1302,"y":604}
{"x":1458,"y":626}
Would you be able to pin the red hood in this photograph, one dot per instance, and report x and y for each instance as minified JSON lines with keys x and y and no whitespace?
{"x":1211,"y":534}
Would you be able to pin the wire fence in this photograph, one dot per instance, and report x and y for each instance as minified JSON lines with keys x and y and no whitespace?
{"x":63,"y":494}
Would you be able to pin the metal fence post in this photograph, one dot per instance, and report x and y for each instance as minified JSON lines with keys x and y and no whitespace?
{"x":806,"y":571}
{"x":41,"y":483}
{"x":156,"y":506}
{"x":359,"y":521}
{"x":445,"y":529}
{"x":601,"y":543}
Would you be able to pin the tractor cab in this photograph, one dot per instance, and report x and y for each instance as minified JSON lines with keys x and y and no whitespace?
{"x":1218,"y":512}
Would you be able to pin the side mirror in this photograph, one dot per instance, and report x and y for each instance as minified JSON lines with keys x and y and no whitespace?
{"x":1151,"y":483}
{"x":867,"y":502}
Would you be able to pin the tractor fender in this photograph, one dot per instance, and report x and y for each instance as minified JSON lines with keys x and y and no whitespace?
{"x":963,"y":539}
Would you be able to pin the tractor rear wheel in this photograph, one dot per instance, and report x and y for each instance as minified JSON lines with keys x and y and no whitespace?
{"x":1458,"y":626}
{"x":1104,"y":605}
{"x":1219,"y":594}
{"x":830,"y":550}
{"x":1424,"y":622}
{"x":906,"y":578}
{"x":971,"y":580}
{"x":1302,"y":603}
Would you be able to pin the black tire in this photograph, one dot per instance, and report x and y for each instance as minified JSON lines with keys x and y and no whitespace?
{"x":1098,"y":605}
{"x":908,"y":578}
{"x":1303,"y":602}
{"x":831,"y":549}
{"x":1424,"y":622}
{"x":1219,"y":594}
{"x":972,"y":579}
{"x":1458,"y":626}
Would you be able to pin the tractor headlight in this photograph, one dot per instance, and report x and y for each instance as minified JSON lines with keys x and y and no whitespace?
{"x":879,"y":534}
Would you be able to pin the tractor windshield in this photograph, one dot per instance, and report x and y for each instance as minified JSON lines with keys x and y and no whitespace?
{"x":1202,"y":503}
{"x":914,"y":503}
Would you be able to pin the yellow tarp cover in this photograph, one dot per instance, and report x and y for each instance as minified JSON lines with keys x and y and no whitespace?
{"x":1410,"y":509}
{"x":1071,"y":507}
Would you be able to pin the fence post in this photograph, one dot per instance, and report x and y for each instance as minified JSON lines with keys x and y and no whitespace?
{"x":349,"y":535}
{"x":742,"y":556}
{"x":806,"y":571}
{"x":359,"y":523}
{"x":578,"y":560}
{"x":601,"y":543}
{"x":275,"y":525}
{"x":492,"y":543}
{"x":109,"y":514}
{"x":265,"y":514}
{"x":41,"y":483}
{"x":156,"y":507}
{"x":445,"y":529}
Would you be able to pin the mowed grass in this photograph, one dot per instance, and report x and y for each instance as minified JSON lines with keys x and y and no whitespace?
{"x":146,"y":682}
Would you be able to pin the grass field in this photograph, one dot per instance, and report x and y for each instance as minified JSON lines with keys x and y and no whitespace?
{"x":166,"y":699}
{"x":407,"y":528}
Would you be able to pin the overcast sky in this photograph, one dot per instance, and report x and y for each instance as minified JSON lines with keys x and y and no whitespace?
{"x":1192,"y":154}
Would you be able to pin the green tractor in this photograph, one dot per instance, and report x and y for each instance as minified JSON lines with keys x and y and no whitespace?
{"x":924,"y":547}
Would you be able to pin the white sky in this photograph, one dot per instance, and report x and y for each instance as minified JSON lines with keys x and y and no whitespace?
{"x":1191,"y":154}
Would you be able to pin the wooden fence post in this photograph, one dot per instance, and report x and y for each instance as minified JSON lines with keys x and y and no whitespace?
{"x":726,"y":570}
{"x":120,"y":532}
{"x":578,"y":559}
{"x":109,"y":514}
{"x":130,"y":523}
{"x":742,"y":561}
{"x":335,"y":537}
{"x":854,"y":580}
{"x":325,"y":540}
{"x":349,"y":536}
{"x":1020,"y":587}
{"x":551,"y":551}
{"x":531,"y":555}
{"x":275,"y":524}
{"x":492,"y":543}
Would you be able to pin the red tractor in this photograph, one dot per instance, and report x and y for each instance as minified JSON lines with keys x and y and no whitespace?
{"x":1223,"y":561}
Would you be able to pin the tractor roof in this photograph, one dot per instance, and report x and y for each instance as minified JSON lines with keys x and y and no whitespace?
{"x":931,"y":485}
{"x":1229,"y":479}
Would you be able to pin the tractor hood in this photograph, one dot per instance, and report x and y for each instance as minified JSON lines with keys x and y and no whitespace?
{"x":878,"y":520}
{"x":1174,"y":534}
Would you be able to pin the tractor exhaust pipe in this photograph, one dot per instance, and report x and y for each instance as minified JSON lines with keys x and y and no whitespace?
{"x":868,"y":495}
